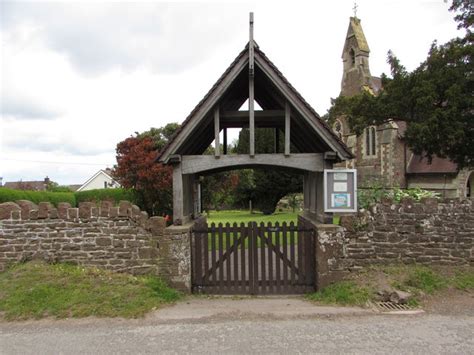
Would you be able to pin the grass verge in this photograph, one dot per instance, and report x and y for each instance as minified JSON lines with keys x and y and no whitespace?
{"x":346,"y":293}
{"x":417,"y":279}
{"x":36,"y":290}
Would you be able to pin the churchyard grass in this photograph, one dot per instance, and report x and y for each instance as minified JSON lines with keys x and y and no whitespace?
{"x":239,"y":216}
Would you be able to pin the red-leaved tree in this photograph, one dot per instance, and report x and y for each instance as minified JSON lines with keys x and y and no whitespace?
{"x":137,"y":169}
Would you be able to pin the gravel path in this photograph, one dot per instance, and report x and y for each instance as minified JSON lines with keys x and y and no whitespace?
{"x":247,"y":326}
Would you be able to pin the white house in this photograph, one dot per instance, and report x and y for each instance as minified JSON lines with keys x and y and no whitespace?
{"x":100,"y":180}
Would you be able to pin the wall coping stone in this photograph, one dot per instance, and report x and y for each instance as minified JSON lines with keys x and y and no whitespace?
{"x":179,"y":229}
{"x":87,"y":211}
{"x":328,"y":227}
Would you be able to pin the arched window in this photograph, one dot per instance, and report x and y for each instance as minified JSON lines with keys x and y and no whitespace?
{"x":353,"y":57}
{"x":370,"y":141}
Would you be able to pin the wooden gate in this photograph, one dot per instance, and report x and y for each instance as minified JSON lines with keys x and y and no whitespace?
{"x":253,"y":259}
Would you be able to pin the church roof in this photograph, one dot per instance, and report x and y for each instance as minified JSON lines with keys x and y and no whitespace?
{"x":355,"y":29}
{"x":420,"y":165}
{"x":196,"y":133}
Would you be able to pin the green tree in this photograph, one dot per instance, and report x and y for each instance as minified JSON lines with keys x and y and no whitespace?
{"x":435,"y":99}
{"x":269,"y":185}
{"x":160,"y":136}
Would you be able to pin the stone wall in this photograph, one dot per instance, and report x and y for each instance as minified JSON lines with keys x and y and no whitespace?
{"x":427,"y":232}
{"x":122,"y":238}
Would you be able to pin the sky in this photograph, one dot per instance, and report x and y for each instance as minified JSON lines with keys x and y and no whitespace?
{"x":78,"y":77}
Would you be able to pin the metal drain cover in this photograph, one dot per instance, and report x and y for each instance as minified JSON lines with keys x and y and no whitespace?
{"x":394,"y":308}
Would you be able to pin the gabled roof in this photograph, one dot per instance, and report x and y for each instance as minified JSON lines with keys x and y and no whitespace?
{"x":271,"y":88}
{"x":100,"y":172}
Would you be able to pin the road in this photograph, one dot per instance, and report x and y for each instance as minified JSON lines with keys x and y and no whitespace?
{"x":291,"y":327}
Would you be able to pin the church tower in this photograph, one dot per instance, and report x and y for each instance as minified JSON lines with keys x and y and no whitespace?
{"x":355,"y":57}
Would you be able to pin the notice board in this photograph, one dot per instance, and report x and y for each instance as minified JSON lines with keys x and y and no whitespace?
{"x":340,"y":190}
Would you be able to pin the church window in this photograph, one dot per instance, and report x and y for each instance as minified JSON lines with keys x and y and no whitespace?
{"x":353,"y":57}
{"x":370,"y":141}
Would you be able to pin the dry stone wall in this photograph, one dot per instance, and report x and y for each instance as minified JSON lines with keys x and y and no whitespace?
{"x":121,"y":238}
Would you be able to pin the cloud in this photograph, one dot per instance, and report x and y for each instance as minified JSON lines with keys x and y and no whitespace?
{"x":96,"y":37}
{"x":55,"y":137}
{"x":17,"y":107}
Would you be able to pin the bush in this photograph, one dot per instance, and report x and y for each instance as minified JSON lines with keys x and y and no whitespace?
{"x":10,"y":195}
{"x":371,"y":196}
{"x":113,"y":195}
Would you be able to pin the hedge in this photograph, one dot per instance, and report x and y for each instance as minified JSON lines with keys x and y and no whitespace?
{"x":114,"y":195}
{"x":10,"y":195}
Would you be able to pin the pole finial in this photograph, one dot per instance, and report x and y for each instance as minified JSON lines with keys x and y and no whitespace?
{"x":355,"y":9}
{"x":251,"y":46}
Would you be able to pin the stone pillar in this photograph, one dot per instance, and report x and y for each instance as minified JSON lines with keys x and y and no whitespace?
{"x":175,"y":256}
{"x":330,"y":265}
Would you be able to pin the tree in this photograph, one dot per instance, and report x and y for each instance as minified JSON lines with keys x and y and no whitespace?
{"x":160,"y":136}
{"x":435,"y":99}
{"x":137,"y":169}
{"x":269,"y":186}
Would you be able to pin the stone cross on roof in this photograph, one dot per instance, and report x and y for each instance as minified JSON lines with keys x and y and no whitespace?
{"x":355,"y":8}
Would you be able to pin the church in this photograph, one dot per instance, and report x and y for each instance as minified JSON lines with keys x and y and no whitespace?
{"x":382,"y":157}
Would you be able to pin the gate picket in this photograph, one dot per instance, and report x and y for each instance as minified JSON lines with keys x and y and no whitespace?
{"x":300,"y":260}
{"x":285,"y":254}
{"x":278,"y":260}
{"x":253,"y":259}
{"x":228,"y":248}
{"x":243,"y":231}
{"x":271,"y":286}
{"x":214,"y":265}
{"x":235,"y":245}
{"x":292,"y":252}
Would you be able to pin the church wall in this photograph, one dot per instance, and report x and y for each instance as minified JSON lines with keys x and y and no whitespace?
{"x":446,"y":185}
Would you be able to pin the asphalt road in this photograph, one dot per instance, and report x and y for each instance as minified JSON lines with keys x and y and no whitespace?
{"x":244,"y":331}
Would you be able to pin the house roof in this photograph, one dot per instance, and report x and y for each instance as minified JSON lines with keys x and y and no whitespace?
{"x":105,"y":172}
{"x":271,"y":88}
{"x":420,"y":165}
{"x":26,"y":185}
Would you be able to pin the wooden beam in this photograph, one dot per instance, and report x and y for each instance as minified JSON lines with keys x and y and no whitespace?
{"x":277,"y":140}
{"x":178,"y":203}
{"x":251,"y":117}
{"x":217,"y":130}
{"x":264,"y":119}
{"x":225,"y":141}
{"x":287,"y":128}
{"x":251,"y":89}
{"x":194,"y":164}
{"x":257,"y":114}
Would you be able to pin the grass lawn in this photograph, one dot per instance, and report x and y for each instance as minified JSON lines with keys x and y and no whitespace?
{"x":245,"y":217}
{"x":36,"y":290}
